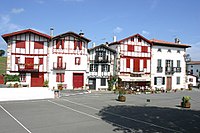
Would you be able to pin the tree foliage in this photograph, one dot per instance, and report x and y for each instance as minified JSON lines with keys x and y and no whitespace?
{"x":2,"y":52}
{"x":10,"y":78}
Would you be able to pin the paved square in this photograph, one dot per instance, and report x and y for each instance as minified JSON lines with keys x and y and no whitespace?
{"x":101,"y":113}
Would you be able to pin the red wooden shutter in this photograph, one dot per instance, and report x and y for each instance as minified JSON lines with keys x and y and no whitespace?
{"x":80,"y":48}
{"x":62,"y":77}
{"x":20,"y":44}
{"x":63,"y":44}
{"x":145,"y":63}
{"x":38,"y":45}
{"x":57,"y":44}
{"x":136,"y":65}
{"x":144,"y":49}
{"x":40,"y":60}
{"x":127,"y":63}
{"x":57,"y":77}
{"x":75,"y":44}
{"x":16,"y":60}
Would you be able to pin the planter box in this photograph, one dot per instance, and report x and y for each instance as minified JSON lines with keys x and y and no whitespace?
{"x":121,"y":98}
{"x":185,"y":105}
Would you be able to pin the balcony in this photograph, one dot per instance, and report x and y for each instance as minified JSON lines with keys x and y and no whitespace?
{"x":99,"y":59}
{"x":57,"y":66}
{"x":28,"y":67}
{"x":169,"y":70}
{"x":159,"y":69}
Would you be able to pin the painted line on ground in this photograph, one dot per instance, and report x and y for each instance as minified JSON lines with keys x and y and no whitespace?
{"x":15,"y":119}
{"x":83,"y":113}
{"x":128,"y":118}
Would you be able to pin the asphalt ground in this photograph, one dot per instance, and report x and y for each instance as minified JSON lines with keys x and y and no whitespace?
{"x":100,"y":112}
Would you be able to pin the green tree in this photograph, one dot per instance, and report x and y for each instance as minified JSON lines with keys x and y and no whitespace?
{"x":2,"y":52}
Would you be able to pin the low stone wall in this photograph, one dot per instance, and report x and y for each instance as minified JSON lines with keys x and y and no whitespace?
{"x":32,"y":93}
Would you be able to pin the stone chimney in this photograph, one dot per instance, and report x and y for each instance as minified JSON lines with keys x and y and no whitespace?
{"x":51,"y":31}
{"x":81,"y":33}
{"x":177,"y":41}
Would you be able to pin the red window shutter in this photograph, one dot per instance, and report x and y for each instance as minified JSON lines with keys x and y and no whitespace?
{"x":144,"y":49}
{"x":20,"y":44}
{"x":16,"y":60}
{"x":127,"y":63}
{"x":130,"y":48}
{"x":136,"y":65}
{"x":80,"y":48}
{"x":57,"y":44}
{"x":38,"y":45}
{"x":145,"y":63}
{"x":40,"y":60}
{"x":63,"y":44}
{"x":57,"y":77}
{"x":62,"y":77}
{"x":75,"y":44}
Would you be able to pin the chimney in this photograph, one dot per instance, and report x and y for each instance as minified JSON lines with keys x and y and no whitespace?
{"x":81,"y":33}
{"x":114,"y":38}
{"x":93,"y":44}
{"x":177,"y":41}
{"x":51,"y":31}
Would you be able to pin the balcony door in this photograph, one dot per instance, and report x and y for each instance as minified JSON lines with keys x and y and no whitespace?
{"x":29,"y":63}
{"x":59,"y":61}
{"x":169,"y":83}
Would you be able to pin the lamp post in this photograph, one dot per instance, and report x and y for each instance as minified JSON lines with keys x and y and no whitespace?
{"x":187,"y":59}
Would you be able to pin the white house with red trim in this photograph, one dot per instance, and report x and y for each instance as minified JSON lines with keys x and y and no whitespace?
{"x":133,"y":60}
{"x":27,"y":55}
{"x":168,"y":66}
{"x":68,"y":61}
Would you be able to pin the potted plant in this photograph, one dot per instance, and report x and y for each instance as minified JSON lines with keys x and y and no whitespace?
{"x":186,"y":102}
{"x":60,"y":87}
{"x":121,"y":96}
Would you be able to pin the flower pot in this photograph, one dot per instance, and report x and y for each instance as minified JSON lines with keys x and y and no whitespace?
{"x":121,"y":98}
{"x":185,"y":104}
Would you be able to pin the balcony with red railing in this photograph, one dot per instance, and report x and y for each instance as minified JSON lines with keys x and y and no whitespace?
{"x":28,"y":67}
{"x":57,"y":66}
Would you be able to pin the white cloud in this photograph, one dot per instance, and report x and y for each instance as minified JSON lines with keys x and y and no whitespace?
{"x":194,"y":51}
{"x":144,"y":32}
{"x":117,"y":30}
{"x":6,"y":25}
{"x":17,"y":10}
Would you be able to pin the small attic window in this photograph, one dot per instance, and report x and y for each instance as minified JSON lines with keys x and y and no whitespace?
{"x":139,"y":39}
{"x":169,"y":50}
{"x":159,"y":50}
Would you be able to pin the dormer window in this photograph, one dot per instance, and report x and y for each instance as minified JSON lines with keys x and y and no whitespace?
{"x":77,"y":45}
{"x":159,"y":50}
{"x":139,"y":39}
{"x":169,"y":50}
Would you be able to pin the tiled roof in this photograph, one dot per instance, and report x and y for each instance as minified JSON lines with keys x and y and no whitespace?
{"x":171,"y":44}
{"x":194,"y":63}
{"x":5,"y":36}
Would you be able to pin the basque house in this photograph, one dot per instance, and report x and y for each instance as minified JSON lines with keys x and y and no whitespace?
{"x":101,"y":66}
{"x":168,"y":68}
{"x":68,"y":61}
{"x":133,"y":61}
{"x":27,"y":53}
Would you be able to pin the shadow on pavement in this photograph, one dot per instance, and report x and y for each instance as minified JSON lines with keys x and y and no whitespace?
{"x":137,"y":119}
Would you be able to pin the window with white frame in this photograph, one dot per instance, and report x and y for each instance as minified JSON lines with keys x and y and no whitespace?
{"x":103,"y":82}
{"x":178,"y":80}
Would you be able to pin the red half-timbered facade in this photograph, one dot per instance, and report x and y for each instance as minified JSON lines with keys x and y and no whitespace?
{"x":68,"y":61}
{"x":27,"y":56}
{"x":133,"y":59}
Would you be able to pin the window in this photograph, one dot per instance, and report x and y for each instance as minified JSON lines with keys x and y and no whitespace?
{"x":130,"y":48}
{"x":93,"y":68}
{"x":159,"y":63}
{"x":23,"y":77}
{"x":77,"y":45}
{"x":139,"y":39}
{"x":159,"y":50}
{"x":190,"y":79}
{"x":169,"y":50}
{"x":17,"y":60}
{"x":103,"y":82}
{"x":40,"y":61}
{"x":20,"y":44}
{"x":77,"y":60}
{"x":59,"y":44}
{"x":178,"y":80}
{"x":197,"y":70}
{"x":178,"y":51}
{"x":105,"y":68}
{"x":159,"y":80}
{"x":60,"y":77}
{"x":132,"y":39}
{"x":38,"y":45}
{"x":178,"y":63}
{"x":144,"y":49}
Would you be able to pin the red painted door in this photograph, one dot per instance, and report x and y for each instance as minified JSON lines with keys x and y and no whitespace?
{"x":78,"y":80}
{"x":169,"y":83}
{"x":37,"y":79}
{"x":136,"y":65}
{"x":29,"y":63}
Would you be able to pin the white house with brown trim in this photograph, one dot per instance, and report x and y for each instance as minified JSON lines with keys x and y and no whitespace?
{"x":27,"y":55}
{"x":68,"y":61}
{"x":168,"y":66}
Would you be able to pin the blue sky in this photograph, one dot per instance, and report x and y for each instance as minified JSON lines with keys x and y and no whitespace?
{"x":100,"y":20}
